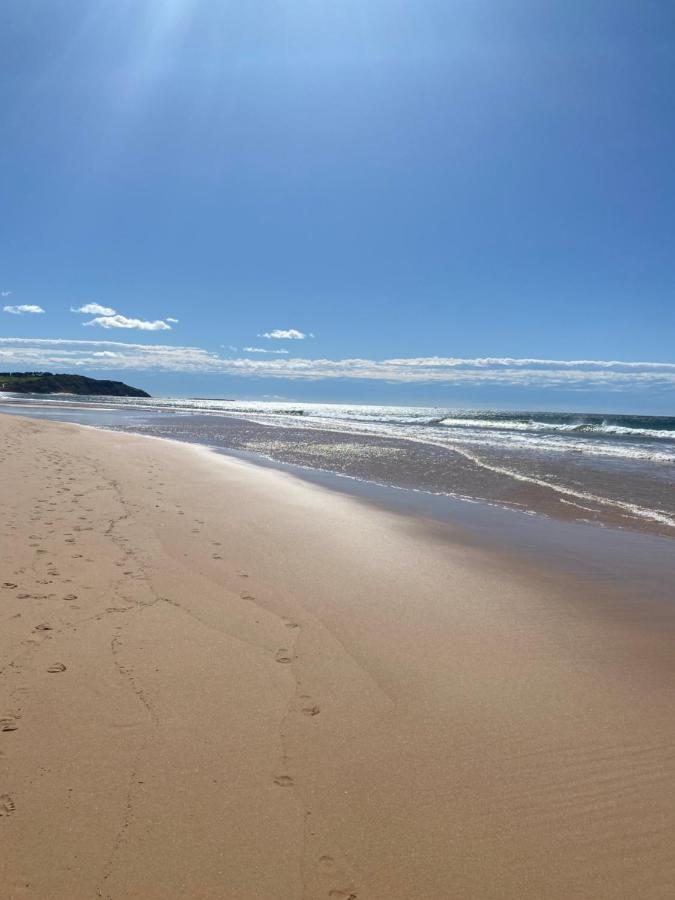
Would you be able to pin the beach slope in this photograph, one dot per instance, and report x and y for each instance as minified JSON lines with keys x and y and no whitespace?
{"x":217,"y":681}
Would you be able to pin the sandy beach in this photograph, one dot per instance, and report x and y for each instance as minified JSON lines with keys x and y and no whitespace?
{"x":217,"y":681}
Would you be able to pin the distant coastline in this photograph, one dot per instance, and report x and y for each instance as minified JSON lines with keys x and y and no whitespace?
{"x":48,"y":383}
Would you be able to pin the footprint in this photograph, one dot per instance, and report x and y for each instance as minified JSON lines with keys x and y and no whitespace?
{"x":43,"y":627}
{"x":283,"y":657}
{"x":327,"y":863}
{"x":57,"y":667}
{"x":70,"y":597}
{"x":8,"y":725}
{"x":284,"y":780}
{"x":311,"y":710}
{"x":9,"y":585}
{"x":292,"y":625}
{"x":6,"y":805}
{"x":342,"y":895}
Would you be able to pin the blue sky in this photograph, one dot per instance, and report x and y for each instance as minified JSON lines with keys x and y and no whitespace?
{"x":413,"y":181}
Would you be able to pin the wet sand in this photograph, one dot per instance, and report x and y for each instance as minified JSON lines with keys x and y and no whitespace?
{"x":218,"y":681}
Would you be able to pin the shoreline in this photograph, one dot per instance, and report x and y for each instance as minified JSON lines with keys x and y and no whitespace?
{"x":517,"y":535}
{"x":609,"y":496}
{"x":275,"y":690}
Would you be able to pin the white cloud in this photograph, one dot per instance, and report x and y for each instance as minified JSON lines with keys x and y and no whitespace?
{"x":119,"y":321}
{"x":280,"y":334}
{"x":259,"y":350}
{"x":5,"y":293}
{"x":174,"y":321}
{"x":106,"y":317}
{"x":24,"y":308}
{"x":609,"y":375}
{"x":94,"y":309}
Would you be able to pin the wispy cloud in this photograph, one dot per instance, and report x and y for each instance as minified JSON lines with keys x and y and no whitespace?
{"x":94,"y":309}
{"x":119,"y":321}
{"x":579,"y":374}
{"x":29,"y":308}
{"x":173,"y":321}
{"x":287,"y":334}
{"x":260,"y":350}
{"x":5,"y":293}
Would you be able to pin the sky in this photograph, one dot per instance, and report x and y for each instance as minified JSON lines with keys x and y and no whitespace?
{"x":452,"y":202}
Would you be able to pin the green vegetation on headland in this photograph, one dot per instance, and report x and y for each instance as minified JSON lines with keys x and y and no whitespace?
{"x":47,"y":383}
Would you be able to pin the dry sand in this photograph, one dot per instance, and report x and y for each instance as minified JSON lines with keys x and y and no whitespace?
{"x":217,"y":681}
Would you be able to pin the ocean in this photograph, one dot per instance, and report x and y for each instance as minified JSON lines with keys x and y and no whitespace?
{"x":610,"y":469}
